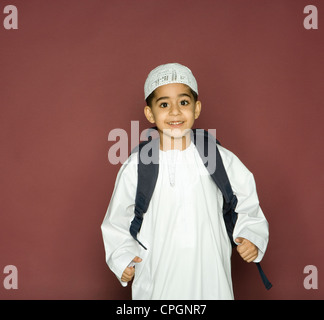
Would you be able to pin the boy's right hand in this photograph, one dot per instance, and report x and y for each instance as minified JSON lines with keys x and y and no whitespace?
{"x":129,"y":272}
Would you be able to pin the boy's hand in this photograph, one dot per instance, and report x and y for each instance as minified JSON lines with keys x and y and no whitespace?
{"x":129,"y":272}
{"x":247,"y":250}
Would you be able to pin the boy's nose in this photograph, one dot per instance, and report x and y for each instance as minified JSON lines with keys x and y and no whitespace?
{"x":174,"y":110}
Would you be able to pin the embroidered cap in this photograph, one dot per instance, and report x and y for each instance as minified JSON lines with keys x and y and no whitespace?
{"x":169,"y":73}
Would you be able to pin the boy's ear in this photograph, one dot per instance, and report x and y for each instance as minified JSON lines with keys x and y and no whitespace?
{"x":197,"y":109}
{"x":149,"y":114}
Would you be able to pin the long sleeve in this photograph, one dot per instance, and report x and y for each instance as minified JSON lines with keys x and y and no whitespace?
{"x":251,"y":223}
{"x":119,"y":245}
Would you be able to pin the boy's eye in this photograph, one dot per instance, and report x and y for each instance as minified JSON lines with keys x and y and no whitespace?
{"x":184,"y":102}
{"x":163,"y":104}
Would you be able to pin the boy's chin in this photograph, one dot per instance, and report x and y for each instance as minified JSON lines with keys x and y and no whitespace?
{"x":175,"y":133}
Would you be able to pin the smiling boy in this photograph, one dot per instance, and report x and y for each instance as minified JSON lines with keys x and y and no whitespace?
{"x":188,"y":251}
{"x":173,"y":109}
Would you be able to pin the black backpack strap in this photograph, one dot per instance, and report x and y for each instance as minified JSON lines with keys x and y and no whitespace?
{"x":147,"y":177}
{"x":264,"y":278}
{"x":208,"y":151}
{"x":230,"y":201}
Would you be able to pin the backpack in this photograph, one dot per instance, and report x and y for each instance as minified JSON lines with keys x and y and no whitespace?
{"x":148,"y":171}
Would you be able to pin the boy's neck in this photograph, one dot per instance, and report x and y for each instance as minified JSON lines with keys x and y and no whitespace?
{"x":170,"y":143}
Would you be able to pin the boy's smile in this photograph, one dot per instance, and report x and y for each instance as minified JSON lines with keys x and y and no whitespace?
{"x":173,"y":110}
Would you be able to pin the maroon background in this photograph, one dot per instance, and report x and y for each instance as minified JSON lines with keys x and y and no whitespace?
{"x":74,"y":70}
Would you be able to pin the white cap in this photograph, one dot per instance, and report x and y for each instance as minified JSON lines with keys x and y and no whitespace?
{"x":169,"y":73}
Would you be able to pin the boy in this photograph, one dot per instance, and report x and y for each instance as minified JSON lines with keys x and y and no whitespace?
{"x":188,"y":250}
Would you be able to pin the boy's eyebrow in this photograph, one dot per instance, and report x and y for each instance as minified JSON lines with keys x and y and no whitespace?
{"x":179,"y":95}
{"x":161,"y":98}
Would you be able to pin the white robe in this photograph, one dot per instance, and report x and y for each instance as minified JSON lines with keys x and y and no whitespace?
{"x":188,"y":252}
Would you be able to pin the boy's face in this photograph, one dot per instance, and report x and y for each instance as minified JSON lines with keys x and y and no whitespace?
{"x":173,"y":110}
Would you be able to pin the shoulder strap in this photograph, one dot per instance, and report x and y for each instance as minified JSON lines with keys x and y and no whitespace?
{"x":147,"y":176}
{"x":206,"y":145}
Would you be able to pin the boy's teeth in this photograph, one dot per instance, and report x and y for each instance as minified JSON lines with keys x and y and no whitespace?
{"x":175,"y":122}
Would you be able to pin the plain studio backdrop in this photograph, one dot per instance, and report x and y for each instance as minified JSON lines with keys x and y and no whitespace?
{"x":74,"y":70}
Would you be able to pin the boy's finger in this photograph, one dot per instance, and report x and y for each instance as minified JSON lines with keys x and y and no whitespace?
{"x":128,"y":274}
{"x":137,"y":259}
{"x":239,"y":240}
{"x":129,"y":271}
{"x":244,"y":254}
{"x":242,"y":248}
{"x":251,"y":257}
{"x":126,"y":279}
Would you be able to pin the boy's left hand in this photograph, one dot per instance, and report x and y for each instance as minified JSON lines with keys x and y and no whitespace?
{"x":247,"y":250}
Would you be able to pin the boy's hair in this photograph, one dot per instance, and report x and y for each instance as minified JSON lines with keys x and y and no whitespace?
{"x":149,"y":99}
